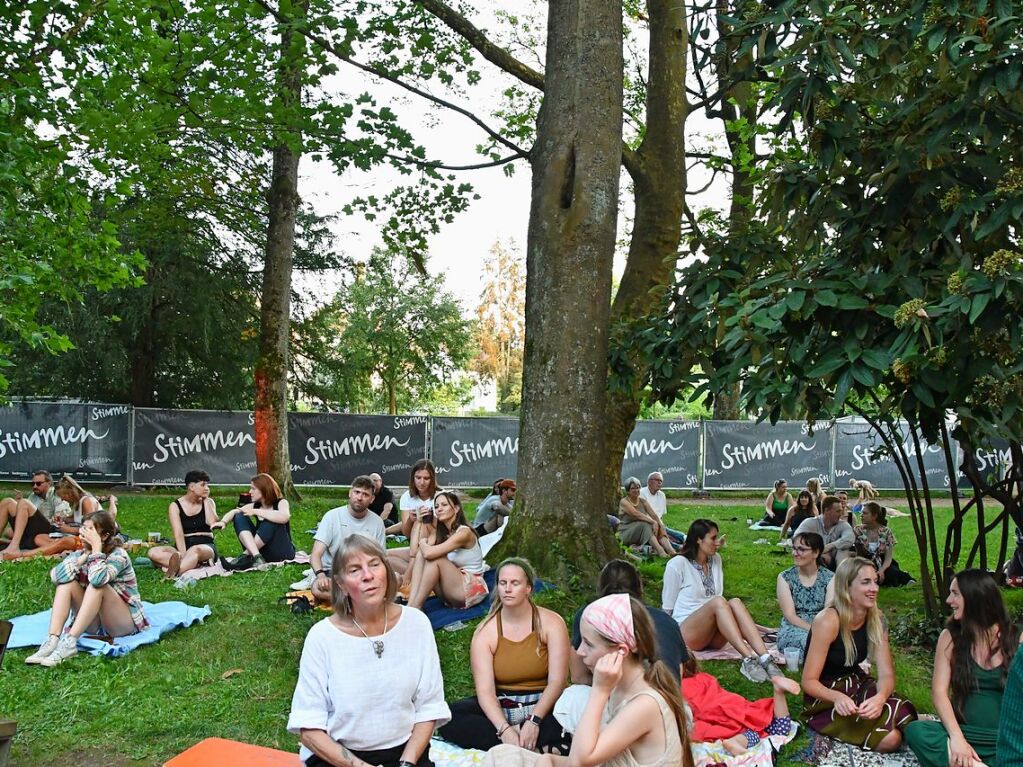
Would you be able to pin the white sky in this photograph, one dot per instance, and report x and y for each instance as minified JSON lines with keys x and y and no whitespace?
{"x":501,"y":213}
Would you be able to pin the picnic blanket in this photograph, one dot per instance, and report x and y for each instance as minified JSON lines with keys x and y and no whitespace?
{"x":769,"y":635}
{"x":32,"y":630}
{"x":761,"y":755}
{"x":198,"y":573}
{"x":828,"y":752}
{"x":444,"y":754}
{"x":441,"y":615}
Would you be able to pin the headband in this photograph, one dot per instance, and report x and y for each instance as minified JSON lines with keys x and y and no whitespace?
{"x":611,"y":617}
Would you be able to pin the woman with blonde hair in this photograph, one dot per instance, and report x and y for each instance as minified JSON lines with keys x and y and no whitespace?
{"x":83,"y":504}
{"x":383,"y":713}
{"x":519,"y":657}
{"x":263,"y":526}
{"x":841,"y":700}
{"x":645,"y":722}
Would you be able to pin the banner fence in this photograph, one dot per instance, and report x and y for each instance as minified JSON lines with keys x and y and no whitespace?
{"x":145,"y":446}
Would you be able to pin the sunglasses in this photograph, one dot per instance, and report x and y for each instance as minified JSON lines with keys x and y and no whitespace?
{"x":40,"y":482}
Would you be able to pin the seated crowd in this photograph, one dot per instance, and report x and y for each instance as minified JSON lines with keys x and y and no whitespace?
{"x":623,"y":688}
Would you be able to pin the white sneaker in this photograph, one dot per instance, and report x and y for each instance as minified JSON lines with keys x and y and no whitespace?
{"x":305,"y":583}
{"x":44,"y":650}
{"x":66,"y":648}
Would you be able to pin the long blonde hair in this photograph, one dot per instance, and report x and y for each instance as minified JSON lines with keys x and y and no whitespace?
{"x":847,"y":572}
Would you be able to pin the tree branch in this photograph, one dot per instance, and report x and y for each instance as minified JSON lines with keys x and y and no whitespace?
{"x":473,"y":35}
{"x":368,"y":69}
{"x":434,"y":164}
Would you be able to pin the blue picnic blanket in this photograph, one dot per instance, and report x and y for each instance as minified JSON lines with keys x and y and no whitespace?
{"x":31,"y":630}
{"x":441,"y":615}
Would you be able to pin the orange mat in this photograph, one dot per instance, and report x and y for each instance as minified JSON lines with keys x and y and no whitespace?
{"x":218,"y":752}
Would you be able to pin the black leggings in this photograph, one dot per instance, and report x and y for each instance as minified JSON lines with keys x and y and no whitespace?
{"x":385,"y":757}
{"x":276,"y":538}
{"x":470,"y":728}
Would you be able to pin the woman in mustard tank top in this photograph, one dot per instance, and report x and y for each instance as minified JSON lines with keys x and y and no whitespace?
{"x":519,"y":657}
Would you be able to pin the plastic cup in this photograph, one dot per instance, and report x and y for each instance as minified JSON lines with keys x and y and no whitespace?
{"x":792,"y":658}
{"x":153,"y":537}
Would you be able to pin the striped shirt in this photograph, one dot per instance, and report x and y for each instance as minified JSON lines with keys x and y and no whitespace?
{"x":113,"y":570}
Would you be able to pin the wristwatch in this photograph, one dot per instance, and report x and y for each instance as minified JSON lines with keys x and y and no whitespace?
{"x":535,"y":720}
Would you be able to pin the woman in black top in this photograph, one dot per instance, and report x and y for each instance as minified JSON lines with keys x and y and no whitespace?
{"x":268,"y":538}
{"x":841,"y":700}
{"x":191,"y":519}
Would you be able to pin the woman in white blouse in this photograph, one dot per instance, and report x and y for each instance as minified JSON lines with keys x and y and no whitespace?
{"x":385,"y":712}
{"x":693,"y":588}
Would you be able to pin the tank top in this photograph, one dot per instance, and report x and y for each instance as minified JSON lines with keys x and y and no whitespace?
{"x":193,"y":524}
{"x":834,"y":662}
{"x":519,"y":666}
{"x":779,"y":506}
{"x":470,"y":559}
{"x":286,"y":525}
{"x":672,"y":756}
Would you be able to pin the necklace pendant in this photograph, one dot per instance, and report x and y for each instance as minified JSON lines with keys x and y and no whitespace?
{"x":378,"y":647}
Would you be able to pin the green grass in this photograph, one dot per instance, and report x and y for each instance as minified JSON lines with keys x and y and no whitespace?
{"x":161,"y":699}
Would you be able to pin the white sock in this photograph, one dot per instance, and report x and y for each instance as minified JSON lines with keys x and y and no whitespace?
{"x":765,"y":657}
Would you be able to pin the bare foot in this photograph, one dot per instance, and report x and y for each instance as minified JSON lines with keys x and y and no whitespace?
{"x":736,"y":745}
{"x":784,"y":684}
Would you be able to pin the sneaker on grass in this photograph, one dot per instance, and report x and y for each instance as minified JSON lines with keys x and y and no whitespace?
{"x":66,"y":648}
{"x":752,"y":670}
{"x":44,"y":650}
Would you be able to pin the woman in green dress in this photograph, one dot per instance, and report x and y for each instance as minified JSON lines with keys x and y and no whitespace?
{"x":970,"y":665}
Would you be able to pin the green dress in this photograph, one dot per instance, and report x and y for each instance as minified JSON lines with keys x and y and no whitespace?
{"x":929,"y":740}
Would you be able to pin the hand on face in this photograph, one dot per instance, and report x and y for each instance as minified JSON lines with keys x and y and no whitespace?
{"x":91,"y":538}
{"x":608,"y":670}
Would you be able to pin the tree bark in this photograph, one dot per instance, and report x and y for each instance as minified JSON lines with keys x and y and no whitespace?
{"x":658,"y":173}
{"x":271,"y":374}
{"x":560,"y":522}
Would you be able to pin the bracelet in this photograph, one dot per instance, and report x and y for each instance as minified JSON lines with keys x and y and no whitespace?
{"x":503,"y":730}
{"x":321,"y":571}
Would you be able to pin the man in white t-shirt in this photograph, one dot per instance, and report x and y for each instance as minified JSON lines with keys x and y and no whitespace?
{"x":659,"y":503}
{"x":336,"y":525}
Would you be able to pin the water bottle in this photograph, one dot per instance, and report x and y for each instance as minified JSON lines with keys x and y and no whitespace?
{"x":456,"y":626}
{"x":184,"y":582}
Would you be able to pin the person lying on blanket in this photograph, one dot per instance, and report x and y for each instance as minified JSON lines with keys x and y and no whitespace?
{"x":191,"y":517}
{"x":268,"y":539}
{"x":97,"y":588}
{"x":724,"y":717}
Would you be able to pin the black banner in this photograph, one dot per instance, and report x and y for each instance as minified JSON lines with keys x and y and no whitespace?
{"x":746,"y":454}
{"x":670,"y":447}
{"x":333,"y":448}
{"x":169,"y":443}
{"x":87,"y":441}
{"x":858,"y":455}
{"x":474,"y":452}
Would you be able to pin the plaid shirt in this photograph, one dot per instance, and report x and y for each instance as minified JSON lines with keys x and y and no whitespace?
{"x":113,"y":570}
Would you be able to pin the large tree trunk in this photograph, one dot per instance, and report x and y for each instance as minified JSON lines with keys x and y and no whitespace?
{"x":559,"y":522}
{"x":658,"y":173}
{"x":275,"y":310}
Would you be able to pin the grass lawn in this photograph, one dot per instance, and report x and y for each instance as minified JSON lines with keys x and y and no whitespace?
{"x":233,"y":676}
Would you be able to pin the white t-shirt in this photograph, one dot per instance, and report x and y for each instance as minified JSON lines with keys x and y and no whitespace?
{"x":337,"y":524}
{"x":362,"y":701}
{"x":658,"y":501}
{"x":409,"y":504}
{"x":684,"y":591}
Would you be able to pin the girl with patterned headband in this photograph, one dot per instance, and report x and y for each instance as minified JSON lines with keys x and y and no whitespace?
{"x":646,"y":721}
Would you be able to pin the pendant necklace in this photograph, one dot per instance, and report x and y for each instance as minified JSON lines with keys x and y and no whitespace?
{"x":378,"y":644}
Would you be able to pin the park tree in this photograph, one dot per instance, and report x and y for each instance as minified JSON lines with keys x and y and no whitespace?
{"x":390,"y":340}
{"x":500,"y":325}
{"x":886,"y":279}
{"x":53,"y":248}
